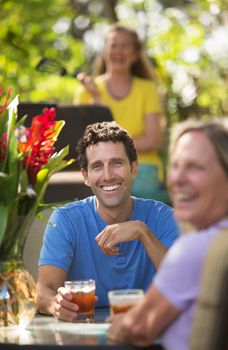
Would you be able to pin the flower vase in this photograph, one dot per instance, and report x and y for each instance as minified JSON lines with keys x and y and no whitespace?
{"x":18,"y":297}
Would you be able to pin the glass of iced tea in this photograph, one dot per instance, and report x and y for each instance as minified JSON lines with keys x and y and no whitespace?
{"x":83,"y":294}
{"x":121,"y":300}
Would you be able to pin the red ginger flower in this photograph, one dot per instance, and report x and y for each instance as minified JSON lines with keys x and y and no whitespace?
{"x":39,"y":145}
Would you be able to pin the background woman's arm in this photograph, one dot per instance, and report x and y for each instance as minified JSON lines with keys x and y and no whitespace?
{"x":150,"y":140}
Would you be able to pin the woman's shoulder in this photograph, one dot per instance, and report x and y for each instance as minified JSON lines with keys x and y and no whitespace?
{"x":144,"y":84}
{"x":100,"y":79}
{"x":195,"y":243}
{"x":143,"y":81}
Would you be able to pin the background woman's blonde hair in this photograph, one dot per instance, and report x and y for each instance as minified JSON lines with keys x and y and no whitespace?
{"x":216,"y":130}
{"x":141,"y":68}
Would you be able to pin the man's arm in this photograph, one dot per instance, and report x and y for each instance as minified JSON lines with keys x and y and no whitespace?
{"x":52,"y":298}
{"x":145,"y":322}
{"x":128,"y":231}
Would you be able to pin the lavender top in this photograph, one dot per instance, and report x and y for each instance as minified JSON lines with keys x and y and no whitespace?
{"x":178,"y":279}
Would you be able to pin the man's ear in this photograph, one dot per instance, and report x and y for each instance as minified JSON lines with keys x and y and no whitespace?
{"x":85,"y":177}
{"x":134,"y":169}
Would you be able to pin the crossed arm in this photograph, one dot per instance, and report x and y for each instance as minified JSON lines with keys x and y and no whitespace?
{"x":128,"y":231}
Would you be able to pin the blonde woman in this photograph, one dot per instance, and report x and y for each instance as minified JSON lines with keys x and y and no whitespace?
{"x":123,"y":80}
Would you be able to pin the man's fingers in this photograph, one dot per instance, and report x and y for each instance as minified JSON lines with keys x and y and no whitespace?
{"x":110,"y":251}
{"x":64,"y":314}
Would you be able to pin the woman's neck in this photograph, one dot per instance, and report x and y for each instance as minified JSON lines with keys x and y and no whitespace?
{"x":118,"y":85}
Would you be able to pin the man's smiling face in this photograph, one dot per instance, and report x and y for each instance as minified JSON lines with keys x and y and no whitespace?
{"x":109,"y":174}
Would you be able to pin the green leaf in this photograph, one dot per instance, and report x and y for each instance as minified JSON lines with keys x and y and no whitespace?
{"x":13,"y":154}
{"x":58,"y":127}
{"x":12,"y":117}
{"x":23,"y":182}
{"x":3,"y":122}
{"x":3,"y":219}
{"x":57,"y":162}
{"x":53,"y":205}
{"x":22,"y":120}
{"x":5,"y":185}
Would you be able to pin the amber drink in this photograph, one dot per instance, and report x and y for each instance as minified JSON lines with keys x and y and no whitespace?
{"x":83,"y":294}
{"x":122,"y":300}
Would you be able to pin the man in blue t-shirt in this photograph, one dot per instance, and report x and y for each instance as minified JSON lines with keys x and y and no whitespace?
{"x":114,"y":238}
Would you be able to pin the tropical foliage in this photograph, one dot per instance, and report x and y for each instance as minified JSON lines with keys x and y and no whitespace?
{"x":186,"y":40}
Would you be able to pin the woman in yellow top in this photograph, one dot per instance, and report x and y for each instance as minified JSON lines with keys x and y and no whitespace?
{"x":123,"y":80}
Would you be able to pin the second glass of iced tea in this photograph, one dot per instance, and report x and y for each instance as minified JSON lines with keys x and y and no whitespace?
{"x":121,"y":300}
{"x":83,"y":294}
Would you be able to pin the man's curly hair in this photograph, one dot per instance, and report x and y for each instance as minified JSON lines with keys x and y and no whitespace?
{"x":104,"y":132}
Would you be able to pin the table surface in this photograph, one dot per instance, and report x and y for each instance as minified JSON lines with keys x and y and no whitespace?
{"x":46,"y":332}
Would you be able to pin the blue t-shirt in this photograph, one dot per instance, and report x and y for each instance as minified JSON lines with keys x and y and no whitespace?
{"x":69,"y":243}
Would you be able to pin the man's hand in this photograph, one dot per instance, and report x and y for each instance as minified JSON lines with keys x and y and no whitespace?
{"x":118,"y":233}
{"x":63,"y":308}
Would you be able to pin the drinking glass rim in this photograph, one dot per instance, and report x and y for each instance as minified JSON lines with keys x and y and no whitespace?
{"x":79,"y":282}
{"x":126,"y":291}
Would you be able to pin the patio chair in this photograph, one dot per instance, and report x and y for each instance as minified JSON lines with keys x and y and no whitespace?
{"x":211,"y":319}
